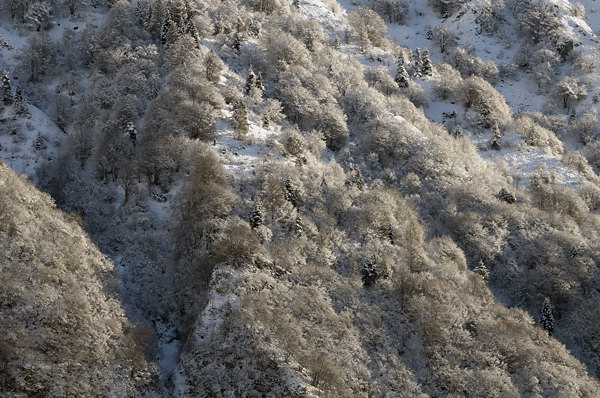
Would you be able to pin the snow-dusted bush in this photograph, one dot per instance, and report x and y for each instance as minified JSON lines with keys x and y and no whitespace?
{"x":471,"y":65}
{"x":446,"y":81}
{"x":569,"y":90}
{"x":537,"y":136}
{"x":379,"y":78}
{"x":479,"y":94}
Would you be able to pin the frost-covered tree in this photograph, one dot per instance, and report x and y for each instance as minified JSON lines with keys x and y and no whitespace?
{"x":213,"y":66}
{"x":426,"y":65}
{"x":19,"y":102}
{"x":257,"y":218}
{"x":443,"y":37}
{"x":240,"y":119}
{"x":569,"y":89}
{"x":250,"y":81}
{"x":367,"y":27}
{"x":416,"y":63}
{"x":39,"y":15}
{"x":496,"y":137}
{"x":482,"y":270}
{"x":168,"y":28}
{"x":547,"y":318}
{"x":402,"y":78}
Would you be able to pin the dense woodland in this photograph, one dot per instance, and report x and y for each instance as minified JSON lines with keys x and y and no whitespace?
{"x":254,"y":198}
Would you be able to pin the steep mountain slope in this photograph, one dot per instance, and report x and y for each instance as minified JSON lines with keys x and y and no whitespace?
{"x":64,"y":330}
{"x":312,"y":198}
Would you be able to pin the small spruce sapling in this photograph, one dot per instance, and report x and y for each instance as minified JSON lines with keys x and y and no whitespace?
{"x":457,"y":131}
{"x":236,"y":44}
{"x":7,"y":97}
{"x":482,"y":270}
{"x":547,"y":319}
{"x":496,"y":138}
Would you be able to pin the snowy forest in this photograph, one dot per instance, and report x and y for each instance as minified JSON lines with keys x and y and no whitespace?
{"x":299,"y":198}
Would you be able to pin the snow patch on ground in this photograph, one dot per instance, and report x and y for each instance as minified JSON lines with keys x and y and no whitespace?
{"x":27,"y":143}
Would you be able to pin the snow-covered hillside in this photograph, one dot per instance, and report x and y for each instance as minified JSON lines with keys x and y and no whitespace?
{"x":316,"y":198}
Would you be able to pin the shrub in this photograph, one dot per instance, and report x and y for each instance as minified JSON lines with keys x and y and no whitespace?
{"x":536,"y":135}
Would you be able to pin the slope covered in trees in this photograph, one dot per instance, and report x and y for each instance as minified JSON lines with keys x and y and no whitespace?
{"x":65,"y":332}
{"x":313,"y":198}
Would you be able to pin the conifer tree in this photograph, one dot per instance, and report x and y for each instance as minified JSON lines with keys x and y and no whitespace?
{"x":496,"y":137}
{"x":417,"y":62}
{"x":131,"y":132}
{"x":457,"y":131}
{"x":250,"y":81}
{"x":291,"y":193}
{"x":298,"y":227}
{"x":258,"y":216}
{"x":259,"y":84}
{"x":167,"y":27}
{"x":6,"y":89}
{"x":426,"y":65}
{"x":482,"y":270}
{"x":19,"y":103}
{"x":402,"y":79}
{"x":193,"y":32}
{"x":240,"y":119}
{"x":547,"y":319}
{"x":213,"y":66}
{"x":237,"y":43}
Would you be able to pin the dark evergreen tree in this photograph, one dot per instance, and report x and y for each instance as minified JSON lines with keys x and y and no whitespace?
{"x":298,"y":227}
{"x":507,"y":196}
{"x":496,"y":137}
{"x":257,"y":218}
{"x":7,"y":97}
{"x":482,"y":270}
{"x":426,"y":65}
{"x":258,"y":83}
{"x":39,"y":144}
{"x":167,"y":27}
{"x":19,"y":102}
{"x":457,"y":131}
{"x":131,"y":133}
{"x":192,"y":31}
{"x":402,"y":79}
{"x":417,"y":65}
{"x":266,"y":122}
{"x":291,"y":193}
{"x":547,"y":319}
{"x":237,"y":43}
{"x":486,"y":119}
{"x":250,"y":81}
